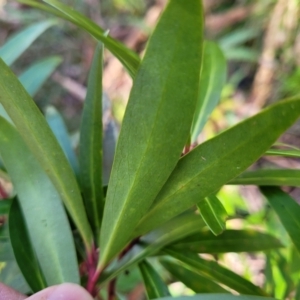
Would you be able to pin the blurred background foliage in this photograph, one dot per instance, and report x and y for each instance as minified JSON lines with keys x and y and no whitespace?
{"x":261,"y":41}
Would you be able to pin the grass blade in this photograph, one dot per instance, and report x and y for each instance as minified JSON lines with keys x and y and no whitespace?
{"x":90,"y":156}
{"x":150,"y":144}
{"x":288,"y":211}
{"x":212,"y":164}
{"x":44,"y":215}
{"x":33,"y":128}
{"x":287,"y":153}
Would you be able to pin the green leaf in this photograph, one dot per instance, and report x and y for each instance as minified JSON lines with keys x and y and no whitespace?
{"x":275,"y":177}
{"x":212,"y":80}
{"x":287,"y":153}
{"x":228,"y":241}
{"x":90,"y":157}
{"x":155,"y":287}
{"x":19,"y":43}
{"x":215,"y":272}
{"x":36,"y":75}
{"x":58,"y":127}
{"x":213,"y":213}
{"x":204,"y":170}
{"x":4,"y":207}
{"x":156,"y":123}
{"x":217,"y":297}
{"x":43,"y":211}
{"x":33,"y":128}
{"x":288,"y":211}
{"x":127,"y":57}
{"x":192,"y":280}
{"x":174,"y":230}
{"x":6,"y":252}
{"x":24,"y":253}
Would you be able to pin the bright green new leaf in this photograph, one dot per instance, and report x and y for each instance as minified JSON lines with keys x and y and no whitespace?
{"x":90,"y":155}
{"x":194,"y":281}
{"x":213,"y":213}
{"x":18,"y":43}
{"x":36,"y":75}
{"x":156,"y":123}
{"x":212,"y":80}
{"x":275,"y":177}
{"x":23,"y":250}
{"x":154,"y":285}
{"x":183,"y":226}
{"x":35,"y":131}
{"x":288,"y":211}
{"x":212,"y":164}
{"x":212,"y":270}
{"x":228,"y":241}
{"x":287,"y":153}
{"x":217,"y":297}
{"x":127,"y":57}
{"x":45,"y":217}
{"x":58,"y":126}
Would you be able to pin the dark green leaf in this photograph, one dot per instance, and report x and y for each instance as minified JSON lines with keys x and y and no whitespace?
{"x":155,"y":287}
{"x":205,"y":169}
{"x":18,"y":43}
{"x":213,"y":213}
{"x":288,"y":211}
{"x":156,"y":123}
{"x":37,"y":74}
{"x":33,"y":128}
{"x":212,"y":80}
{"x":228,"y":241}
{"x":215,"y":272}
{"x":24,"y":253}
{"x":44,"y":215}
{"x":4,"y":206}
{"x":90,"y":157}
{"x":273,"y":177}
{"x":192,"y":280}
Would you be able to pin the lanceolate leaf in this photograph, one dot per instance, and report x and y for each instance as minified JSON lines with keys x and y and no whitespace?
{"x":17,"y":44}
{"x":213,"y":271}
{"x":91,"y":143}
{"x":213,"y":213}
{"x":36,"y":75}
{"x":287,"y":153}
{"x":44,"y":215}
{"x":174,"y":230}
{"x":127,"y":57}
{"x":288,"y":211}
{"x":275,"y":177}
{"x":33,"y":128}
{"x":212,"y":80}
{"x":228,"y":241}
{"x":155,"y":287}
{"x":212,"y":164}
{"x":24,"y":253}
{"x":217,"y":297}
{"x":156,"y":123}
{"x":194,"y":281}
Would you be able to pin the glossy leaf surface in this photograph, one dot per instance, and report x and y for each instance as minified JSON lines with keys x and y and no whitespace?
{"x":127,"y":57}
{"x":212,"y":270}
{"x":90,"y":156}
{"x":45,"y":216}
{"x":156,"y":123}
{"x":228,"y":241}
{"x":212,"y":164}
{"x":212,"y":80}
{"x":23,"y":250}
{"x":36,"y":75}
{"x":288,"y":211}
{"x":174,"y":230}
{"x":18,"y":43}
{"x":192,"y":280}
{"x":213,"y":213}
{"x":273,"y":177}
{"x":33,"y":128}
{"x":154,"y":285}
